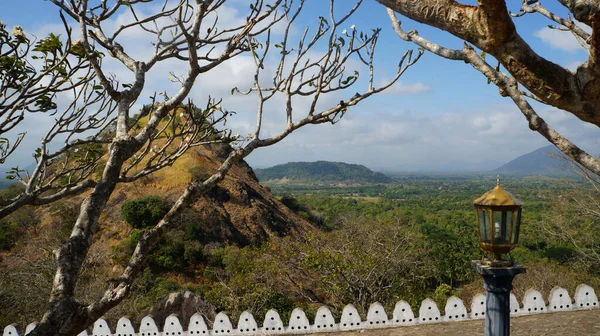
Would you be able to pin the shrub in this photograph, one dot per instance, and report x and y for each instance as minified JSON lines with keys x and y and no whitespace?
{"x":193,"y":252}
{"x":144,"y":212}
{"x":441,"y":294}
{"x":11,"y":191}
{"x":169,"y":252}
{"x":123,"y":250}
{"x":6,"y":235}
{"x":291,"y":202}
{"x":562,"y":254}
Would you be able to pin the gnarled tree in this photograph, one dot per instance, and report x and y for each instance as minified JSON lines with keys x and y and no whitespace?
{"x":124,"y":147}
{"x":33,"y":75}
{"x":489,"y":27}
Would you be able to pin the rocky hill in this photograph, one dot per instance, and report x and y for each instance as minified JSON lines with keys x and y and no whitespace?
{"x":321,"y":172}
{"x":239,"y":211}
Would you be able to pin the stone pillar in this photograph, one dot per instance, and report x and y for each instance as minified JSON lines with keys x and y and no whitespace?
{"x":498,"y":284}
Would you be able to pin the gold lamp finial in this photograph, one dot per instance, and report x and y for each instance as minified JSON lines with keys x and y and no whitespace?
{"x":498,"y":180}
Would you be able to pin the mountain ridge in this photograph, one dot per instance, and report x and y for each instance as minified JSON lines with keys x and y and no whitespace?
{"x":322,"y":172}
{"x":542,"y":161}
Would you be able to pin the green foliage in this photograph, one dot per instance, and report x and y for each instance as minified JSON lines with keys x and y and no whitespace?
{"x":17,"y":224}
{"x":150,"y":288}
{"x":561,"y":254}
{"x":416,"y":238}
{"x":442,"y":293}
{"x":305,"y":212}
{"x":173,"y":252}
{"x":11,"y":191}
{"x":144,"y":212}
{"x":290,"y":202}
{"x":193,"y":252}
{"x":194,"y":229}
{"x":359,"y":262}
{"x":7,"y":234}
{"x":169,"y":253}
{"x":15,"y":71}
{"x":451,"y":243}
{"x":245,"y":281}
{"x":123,"y":250}
{"x":441,"y":208}
{"x":50,"y":44}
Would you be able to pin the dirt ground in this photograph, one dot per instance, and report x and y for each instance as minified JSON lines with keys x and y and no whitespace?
{"x":576,"y":323}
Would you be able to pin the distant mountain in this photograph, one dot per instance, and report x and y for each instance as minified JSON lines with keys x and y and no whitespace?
{"x":321,"y":172}
{"x":542,"y":161}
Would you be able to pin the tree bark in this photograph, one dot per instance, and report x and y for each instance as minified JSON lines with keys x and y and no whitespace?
{"x":489,"y":27}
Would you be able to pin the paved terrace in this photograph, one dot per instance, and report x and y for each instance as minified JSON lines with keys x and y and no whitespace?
{"x":574,"y":323}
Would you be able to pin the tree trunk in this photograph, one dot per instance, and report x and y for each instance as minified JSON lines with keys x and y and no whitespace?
{"x":64,"y":318}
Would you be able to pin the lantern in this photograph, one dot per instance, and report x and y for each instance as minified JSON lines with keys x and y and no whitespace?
{"x":499,"y":219}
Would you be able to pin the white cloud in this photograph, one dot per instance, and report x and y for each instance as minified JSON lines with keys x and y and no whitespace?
{"x":559,"y":39}
{"x":455,"y":141}
{"x":407,"y":89}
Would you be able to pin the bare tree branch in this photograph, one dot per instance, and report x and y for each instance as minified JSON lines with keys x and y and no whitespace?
{"x":490,"y":28}
{"x":508,"y":87}
{"x":569,"y":24}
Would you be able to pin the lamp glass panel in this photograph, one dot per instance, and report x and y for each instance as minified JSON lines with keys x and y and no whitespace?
{"x":484,"y":225}
{"x":516,"y":226}
{"x":501,"y":226}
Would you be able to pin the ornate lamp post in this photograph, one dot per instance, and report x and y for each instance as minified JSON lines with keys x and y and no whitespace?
{"x":499,"y":219}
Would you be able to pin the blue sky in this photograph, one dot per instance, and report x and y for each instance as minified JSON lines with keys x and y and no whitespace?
{"x":442,"y":116}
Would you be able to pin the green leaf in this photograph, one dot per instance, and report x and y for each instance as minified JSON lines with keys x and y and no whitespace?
{"x":50,"y":44}
{"x":45,"y":103}
{"x":77,"y":50}
{"x":347,"y":80}
{"x":38,"y":153}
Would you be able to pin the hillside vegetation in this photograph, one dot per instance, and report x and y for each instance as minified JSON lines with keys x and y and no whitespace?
{"x":321,"y":172}
{"x":238,"y":212}
{"x":331,"y":244}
